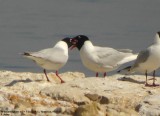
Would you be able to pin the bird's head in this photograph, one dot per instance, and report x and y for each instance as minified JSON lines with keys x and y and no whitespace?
{"x":157,"y":38}
{"x":79,"y":41}
{"x":69,"y":42}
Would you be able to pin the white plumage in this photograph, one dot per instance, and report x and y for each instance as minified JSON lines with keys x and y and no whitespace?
{"x":51,"y":58}
{"x":101,"y":59}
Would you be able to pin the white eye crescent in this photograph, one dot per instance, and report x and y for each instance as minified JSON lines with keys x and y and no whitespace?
{"x":70,"y":40}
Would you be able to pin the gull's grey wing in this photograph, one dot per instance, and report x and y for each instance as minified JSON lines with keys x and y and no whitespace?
{"x":142,"y":57}
{"x":120,"y":50}
{"x":109,"y":56}
{"x":125,"y":50}
{"x":51,"y":54}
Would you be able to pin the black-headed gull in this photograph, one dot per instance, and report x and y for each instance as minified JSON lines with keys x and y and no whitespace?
{"x":52,"y":58}
{"x":147,"y":61}
{"x":101,"y":59}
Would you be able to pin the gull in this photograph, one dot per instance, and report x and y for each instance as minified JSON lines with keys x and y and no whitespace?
{"x":101,"y":59}
{"x":51,"y":58}
{"x":147,"y":61}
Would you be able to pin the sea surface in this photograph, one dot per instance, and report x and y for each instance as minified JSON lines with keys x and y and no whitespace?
{"x":32,"y":25}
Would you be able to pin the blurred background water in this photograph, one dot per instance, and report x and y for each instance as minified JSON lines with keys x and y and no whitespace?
{"x":31,"y":25}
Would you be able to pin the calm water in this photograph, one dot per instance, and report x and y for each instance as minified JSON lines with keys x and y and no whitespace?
{"x":31,"y":25}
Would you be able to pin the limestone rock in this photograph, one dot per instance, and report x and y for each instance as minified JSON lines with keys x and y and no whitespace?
{"x":29,"y":94}
{"x":150,"y":106}
{"x":91,"y":109}
{"x":98,"y":98}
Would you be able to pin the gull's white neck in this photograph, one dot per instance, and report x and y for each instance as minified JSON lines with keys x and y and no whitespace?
{"x":62,"y":45}
{"x":88,"y":46}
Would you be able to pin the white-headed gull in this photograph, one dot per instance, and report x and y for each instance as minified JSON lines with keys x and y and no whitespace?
{"x":147,"y":61}
{"x":52,"y":58}
{"x":101,"y":59}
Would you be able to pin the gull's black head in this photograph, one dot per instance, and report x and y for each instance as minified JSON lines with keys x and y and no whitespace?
{"x":68,"y":41}
{"x":79,"y":40}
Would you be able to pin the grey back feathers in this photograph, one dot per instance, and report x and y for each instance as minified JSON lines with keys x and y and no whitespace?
{"x":125,"y":50}
{"x":142,"y":57}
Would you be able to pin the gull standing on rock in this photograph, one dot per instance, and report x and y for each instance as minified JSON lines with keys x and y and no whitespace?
{"x":147,"y":61}
{"x":52,"y":58}
{"x":101,"y":59}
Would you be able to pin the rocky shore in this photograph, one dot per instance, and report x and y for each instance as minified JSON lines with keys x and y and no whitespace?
{"x":30,"y":94}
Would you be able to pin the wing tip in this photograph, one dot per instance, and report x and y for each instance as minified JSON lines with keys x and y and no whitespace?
{"x":125,"y":69}
{"x":26,"y":54}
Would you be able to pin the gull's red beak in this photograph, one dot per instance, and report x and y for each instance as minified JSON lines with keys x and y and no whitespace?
{"x":72,"y":47}
{"x":74,"y":43}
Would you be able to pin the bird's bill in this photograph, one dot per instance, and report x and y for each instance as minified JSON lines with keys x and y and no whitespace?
{"x":74,"y":43}
{"x":72,"y":47}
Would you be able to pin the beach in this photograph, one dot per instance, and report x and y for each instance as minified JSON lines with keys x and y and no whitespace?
{"x":25,"y":93}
